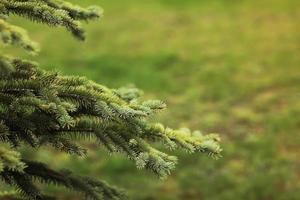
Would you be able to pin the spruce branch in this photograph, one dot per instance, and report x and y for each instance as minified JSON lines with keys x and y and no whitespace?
{"x":56,"y":113}
{"x":39,"y":108}
{"x":14,"y":35}
{"x":9,"y":158}
{"x":52,"y":12}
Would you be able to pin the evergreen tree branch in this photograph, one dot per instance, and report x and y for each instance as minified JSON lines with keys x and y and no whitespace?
{"x":39,"y":108}
{"x":83,"y":108}
{"x":14,"y":35}
{"x":10,"y":159}
{"x":91,"y":188}
{"x":53,"y":13}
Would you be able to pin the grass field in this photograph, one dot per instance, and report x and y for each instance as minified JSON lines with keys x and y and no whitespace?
{"x":231,"y":67}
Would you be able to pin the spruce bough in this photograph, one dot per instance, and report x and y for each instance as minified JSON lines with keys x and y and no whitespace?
{"x":40,"y":108}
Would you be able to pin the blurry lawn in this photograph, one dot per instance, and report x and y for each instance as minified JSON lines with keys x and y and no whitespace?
{"x":231,"y":67}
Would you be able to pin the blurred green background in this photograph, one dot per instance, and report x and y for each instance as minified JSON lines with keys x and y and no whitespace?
{"x":226,"y":66}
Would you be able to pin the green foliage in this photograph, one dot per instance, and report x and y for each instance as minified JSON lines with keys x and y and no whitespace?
{"x":225,"y":66}
{"x":51,"y":12}
{"x":40,"y":108}
{"x":10,"y":159}
{"x":16,"y":36}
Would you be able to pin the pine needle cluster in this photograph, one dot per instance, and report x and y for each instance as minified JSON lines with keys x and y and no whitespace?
{"x":40,"y":108}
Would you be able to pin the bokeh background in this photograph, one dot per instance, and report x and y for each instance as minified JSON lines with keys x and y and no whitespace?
{"x":225,"y":66}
